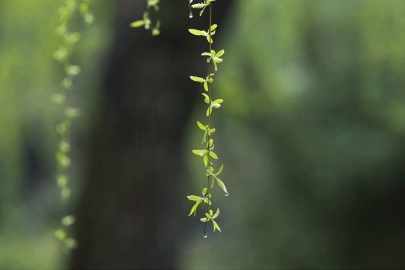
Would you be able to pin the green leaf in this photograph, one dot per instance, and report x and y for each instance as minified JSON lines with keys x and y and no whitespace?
{"x":220,"y":53}
{"x":207,"y":98}
{"x":204,"y":191}
{"x":72,"y":112}
{"x":72,"y":70}
{"x":210,"y":143}
{"x":137,"y":24}
{"x":216,"y":214}
{"x":213,"y":27}
{"x":207,"y":200}
{"x":70,"y":243}
{"x":197,"y":32}
{"x":58,"y":98}
{"x":200,"y":152}
{"x":194,"y":198}
{"x":220,"y":170}
{"x":222,"y":185}
{"x":203,"y":219}
{"x":208,"y":216}
{"x":212,"y":182}
{"x":217,"y":101}
{"x":197,"y":79}
{"x":194,"y":208}
{"x":205,"y":86}
{"x":62,"y":180}
{"x":209,"y":111}
{"x":201,"y":126}
{"x":212,"y":154}
{"x":201,"y":5}
{"x":205,"y":161}
{"x":68,"y":220}
{"x":209,"y":78}
{"x":204,"y":137}
{"x":61,"y":234}
{"x":215,"y":225}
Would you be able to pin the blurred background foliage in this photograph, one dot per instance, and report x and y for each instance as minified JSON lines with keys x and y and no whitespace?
{"x":312,"y":134}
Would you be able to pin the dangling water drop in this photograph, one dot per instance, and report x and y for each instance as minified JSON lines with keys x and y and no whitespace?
{"x":205,"y":235}
{"x":226,"y":194}
{"x":191,"y":15}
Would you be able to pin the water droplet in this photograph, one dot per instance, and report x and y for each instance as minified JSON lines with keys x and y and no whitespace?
{"x":191,"y":1}
{"x":226,"y":194}
{"x":205,"y":235}
{"x":191,"y":15}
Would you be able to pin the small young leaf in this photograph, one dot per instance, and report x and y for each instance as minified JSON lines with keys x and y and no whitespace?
{"x":194,"y":208}
{"x":215,"y":225}
{"x":61,"y":234}
{"x":203,"y":219}
{"x":70,"y":243}
{"x":220,"y":170}
{"x":222,"y":185}
{"x":220,"y":53}
{"x":197,"y":79}
{"x":137,"y":24}
{"x":205,"y":161}
{"x":212,"y":154}
{"x":201,"y":126}
{"x":197,"y":32}
{"x":194,"y":198}
{"x":216,"y":214}
{"x":205,"y":86}
{"x":210,"y":143}
{"x":68,"y":220}
{"x":209,"y":110}
{"x":206,"y":99}
{"x":217,"y":101}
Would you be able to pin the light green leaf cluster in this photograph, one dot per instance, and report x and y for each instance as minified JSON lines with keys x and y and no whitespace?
{"x":207,"y":154}
{"x":69,"y":38}
{"x":210,"y":216}
{"x":207,"y":34}
{"x":63,"y":233}
{"x":205,"y":81}
{"x":202,"y":5}
{"x":146,"y":22}
{"x":207,"y":131}
{"x":214,"y":56}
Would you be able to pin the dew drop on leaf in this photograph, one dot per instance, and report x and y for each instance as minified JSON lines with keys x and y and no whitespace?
{"x":191,"y":15}
{"x":226,"y":194}
{"x":205,"y":235}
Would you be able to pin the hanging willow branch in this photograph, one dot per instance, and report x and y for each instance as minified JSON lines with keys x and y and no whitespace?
{"x":207,"y":154}
{"x":63,"y":55}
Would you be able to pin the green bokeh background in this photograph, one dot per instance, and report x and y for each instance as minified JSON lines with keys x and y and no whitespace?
{"x":313,"y":126}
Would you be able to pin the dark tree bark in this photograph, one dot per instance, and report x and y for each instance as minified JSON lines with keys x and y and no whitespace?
{"x":128,"y":213}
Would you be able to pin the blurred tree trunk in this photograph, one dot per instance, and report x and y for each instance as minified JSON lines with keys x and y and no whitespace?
{"x":127,"y":215}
